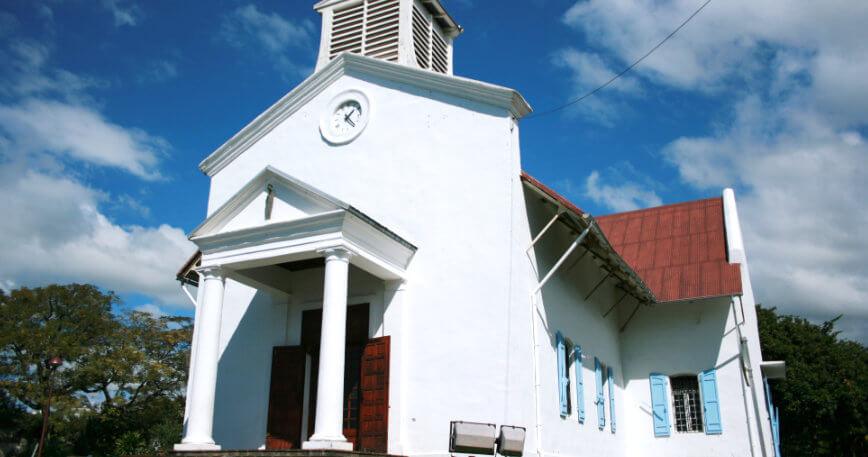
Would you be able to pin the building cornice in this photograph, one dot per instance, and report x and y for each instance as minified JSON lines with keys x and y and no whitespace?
{"x":350,"y":64}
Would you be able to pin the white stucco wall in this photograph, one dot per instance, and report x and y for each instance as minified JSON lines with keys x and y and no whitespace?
{"x":444,"y":174}
{"x":425,"y":167}
{"x":686,"y":338}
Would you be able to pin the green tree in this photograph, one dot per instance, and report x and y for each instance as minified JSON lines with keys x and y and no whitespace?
{"x":37,"y":324}
{"x":824,"y":399}
{"x":122,"y":372}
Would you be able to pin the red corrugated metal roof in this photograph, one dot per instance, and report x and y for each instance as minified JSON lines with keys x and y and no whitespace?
{"x":678,"y":250}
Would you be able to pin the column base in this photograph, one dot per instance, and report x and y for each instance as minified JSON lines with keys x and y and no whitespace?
{"x":196,"y":447}
{"x":327,"y":444}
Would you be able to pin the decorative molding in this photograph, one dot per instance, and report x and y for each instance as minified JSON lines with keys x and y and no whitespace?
{"x":349,"y":64}
{"x":336,"y":253}
{"x":212,"y":272}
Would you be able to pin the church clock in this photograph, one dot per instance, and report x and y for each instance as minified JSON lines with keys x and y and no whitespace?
{"x":345,"y":118}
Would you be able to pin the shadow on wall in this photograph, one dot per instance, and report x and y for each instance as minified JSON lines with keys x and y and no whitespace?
{"x":678,"y":339}
{"x":241,"y":404}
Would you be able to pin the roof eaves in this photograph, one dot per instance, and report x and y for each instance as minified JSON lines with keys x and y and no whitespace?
{"x":584,"y":220}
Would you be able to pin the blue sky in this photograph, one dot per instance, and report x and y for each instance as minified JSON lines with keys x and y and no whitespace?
{"x":107,"y":107}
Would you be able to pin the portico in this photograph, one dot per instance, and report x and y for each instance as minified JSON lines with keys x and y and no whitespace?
{"x":277,"y":220}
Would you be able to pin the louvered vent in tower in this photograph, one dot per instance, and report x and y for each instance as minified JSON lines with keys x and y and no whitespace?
{"x":381,"y":29}
{"x":439,"y":53}
{"x":421,"y":38}
{"x":369,"y":27}
{"x":347,"y":30}
{"x":429,"y":46}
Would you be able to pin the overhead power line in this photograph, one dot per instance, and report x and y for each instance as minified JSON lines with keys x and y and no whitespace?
{"x":623,"y":72}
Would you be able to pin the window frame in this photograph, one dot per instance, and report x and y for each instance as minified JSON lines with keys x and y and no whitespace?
{"x":698,"y":403}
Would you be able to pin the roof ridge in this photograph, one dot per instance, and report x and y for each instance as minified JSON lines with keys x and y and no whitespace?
{"x":662,"y":207}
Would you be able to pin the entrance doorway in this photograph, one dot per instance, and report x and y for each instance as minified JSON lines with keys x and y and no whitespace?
{"x":366,"y":385}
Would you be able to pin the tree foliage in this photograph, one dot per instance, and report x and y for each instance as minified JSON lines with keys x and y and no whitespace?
{"x":824,"y":399}
{"x":122,"y":379}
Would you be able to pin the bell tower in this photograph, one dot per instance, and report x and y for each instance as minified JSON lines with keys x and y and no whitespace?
{"x":416,"y":33}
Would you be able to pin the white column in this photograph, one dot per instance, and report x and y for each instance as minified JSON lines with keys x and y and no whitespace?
{"x":200,"y":402}
{"x":328,"y":428}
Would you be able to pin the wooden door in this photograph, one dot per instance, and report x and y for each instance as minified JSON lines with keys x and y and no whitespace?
{"x":374,"y":408}
{"x":356,"y":338}
{"x":286,"y":398}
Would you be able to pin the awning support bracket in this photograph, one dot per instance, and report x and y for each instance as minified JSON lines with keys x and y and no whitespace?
{"x":608,"y":275}
{"x":563,"y":258}
{"x":606,"y":314}
{"x":631,"y":317}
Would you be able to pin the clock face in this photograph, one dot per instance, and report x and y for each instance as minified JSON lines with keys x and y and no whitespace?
{"x":345,"y":118}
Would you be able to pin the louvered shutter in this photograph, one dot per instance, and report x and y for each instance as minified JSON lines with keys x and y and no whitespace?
{"x":563,"y":379}
{"x":773,"y":419}
{"x":369,"y":28}
{"x":600,"y":401}
{"x":439,"y":52}
{"x":580,"y":383}
{"x":611,"y":374}
{"x":421,"y":38}
{"x":659,"y":404}
{"x":348,"y":26}
{"x":710,"y":402}
{"x":381,"y":29}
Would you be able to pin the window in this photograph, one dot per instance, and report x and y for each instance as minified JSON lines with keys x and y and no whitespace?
{"x":686,"y":404}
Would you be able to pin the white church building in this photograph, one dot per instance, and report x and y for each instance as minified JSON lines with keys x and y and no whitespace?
{"x":377,"y":273}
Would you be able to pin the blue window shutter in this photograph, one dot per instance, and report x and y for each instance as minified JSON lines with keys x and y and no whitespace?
{"x":600,"y":401}
{"x":580,"y":384}
{"x":774,"y":419}
{"x":611,"y":374}
{"x":659,"y":404}
{"x":710,"y":402}
{"x":563,"y":379}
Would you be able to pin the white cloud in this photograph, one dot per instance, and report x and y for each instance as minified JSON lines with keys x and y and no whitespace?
{"x":589,"y":71}
{"x":624,"y":196}
{"x":158,"y":71}
{"x":80,"y":132}
{"x":122,"y":12}
{"x":793,"y":78}
{"x":54,"y":231}
{"x":275,"y":35}
{"x":152,"y":309}
{"x":54,"y":227}
{"x":803,"y":205}
{"x":729,"y":42}
{"x":26,"y":74}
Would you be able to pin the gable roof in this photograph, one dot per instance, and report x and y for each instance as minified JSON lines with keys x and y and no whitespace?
{"x":353,"y":64}
{"x":679,"y":250}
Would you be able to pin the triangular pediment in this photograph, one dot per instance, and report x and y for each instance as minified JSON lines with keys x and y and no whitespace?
{"x":347,"y":64}
{"x":269,"y":198}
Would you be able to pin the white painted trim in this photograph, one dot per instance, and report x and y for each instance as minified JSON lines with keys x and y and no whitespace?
{"x":734,"y":239}
{"x":376,"y":252}
{"x":350,"y":64}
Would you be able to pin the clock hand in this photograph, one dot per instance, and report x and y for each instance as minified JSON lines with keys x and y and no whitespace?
{"x":349,"y":121}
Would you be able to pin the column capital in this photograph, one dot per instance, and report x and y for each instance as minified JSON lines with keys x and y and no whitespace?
{"x":338,"y":253}
{"x":211,"y":272}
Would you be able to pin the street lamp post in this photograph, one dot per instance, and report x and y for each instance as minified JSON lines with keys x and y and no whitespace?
{"x":52,"y":365}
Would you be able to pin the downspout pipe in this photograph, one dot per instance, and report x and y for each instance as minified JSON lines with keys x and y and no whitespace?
{"x":535,"y":338}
